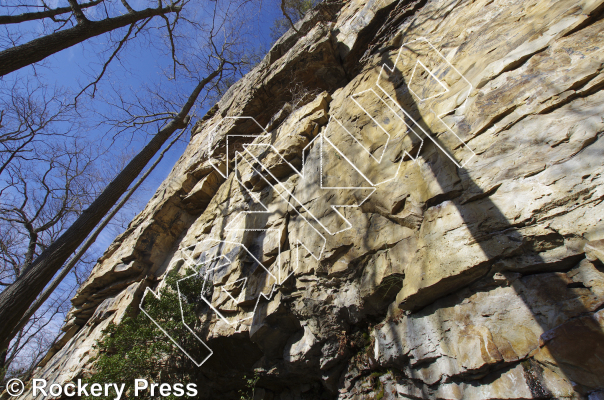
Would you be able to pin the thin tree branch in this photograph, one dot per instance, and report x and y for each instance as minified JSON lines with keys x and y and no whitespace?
{"x":130,"y":9}
{"x":286,"y":15}
{"x":31,"y":16}
{"x":17,"y":298}
{"x":76,"y":258}
{"x":36,"y":50}
{"x":98,"y":78}
{"x":77,"y":11}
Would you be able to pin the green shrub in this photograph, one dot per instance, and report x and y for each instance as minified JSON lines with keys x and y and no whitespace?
{"x":138,"y":349}
{"x":250,"y":387}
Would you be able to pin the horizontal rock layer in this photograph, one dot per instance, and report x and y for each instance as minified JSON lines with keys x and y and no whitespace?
{"x":465,"y":261}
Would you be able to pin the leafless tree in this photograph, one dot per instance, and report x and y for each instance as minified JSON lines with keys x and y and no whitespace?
{"x":28,"y":347}
{"x":35,"y":272}
{"x":30,"y":113}
{"x":41,"y":194}
{"x":299,"y":94}
{"x":72,"y":25}
{"x":293,"y":11}
{"x":216,"y":59}
{"x":34,"y":340}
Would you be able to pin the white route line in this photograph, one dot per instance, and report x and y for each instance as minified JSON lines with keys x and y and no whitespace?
{"x":396,"y":114}
{"x":287,"y":195}
{"x":433,"y":76}
{"x":385,"y":67}
{"x":324,"y":240}
{"x":376,"y":122}
{"x":303,"y":175}
{"x":158,"y":297}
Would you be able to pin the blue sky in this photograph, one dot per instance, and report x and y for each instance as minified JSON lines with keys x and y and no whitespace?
{"x":140,"y":64}
{"x":75,"y":66}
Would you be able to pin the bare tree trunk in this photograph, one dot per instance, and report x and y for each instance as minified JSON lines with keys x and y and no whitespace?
{"x":284,"y":11}
{"x":74,"y":260}
{"x":32,"y":16}
{"x":38,"y":49}
{"x":16,"y":299}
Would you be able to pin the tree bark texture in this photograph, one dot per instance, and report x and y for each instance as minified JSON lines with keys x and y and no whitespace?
{"x":16,"y":299}
{"x":36,"y":50}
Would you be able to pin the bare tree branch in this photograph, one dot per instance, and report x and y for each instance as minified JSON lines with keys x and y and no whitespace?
{"x":50,"y":13}
{"x":286,"y":15}
{"x":77,"y":11}
{"x":36,"y":50}
{"x":17,"y":298}
{"x":104,"y":69}
{"x":76,"y":258}
{"x":125,"y":3}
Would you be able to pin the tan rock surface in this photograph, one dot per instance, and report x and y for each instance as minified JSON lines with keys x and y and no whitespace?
{"x":467,"y":261}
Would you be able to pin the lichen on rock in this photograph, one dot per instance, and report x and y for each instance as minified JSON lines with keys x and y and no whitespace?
{"x":463,"y":259}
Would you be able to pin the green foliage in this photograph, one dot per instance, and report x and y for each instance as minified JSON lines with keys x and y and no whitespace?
{"x":250,"y":387}
{"x":378,"y":387}
{"x":138,"y":349}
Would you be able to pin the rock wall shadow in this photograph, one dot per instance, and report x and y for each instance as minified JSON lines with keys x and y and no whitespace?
{"x":574,"y":347}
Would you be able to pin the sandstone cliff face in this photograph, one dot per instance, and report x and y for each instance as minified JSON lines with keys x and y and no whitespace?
{"x":465,"y":261}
